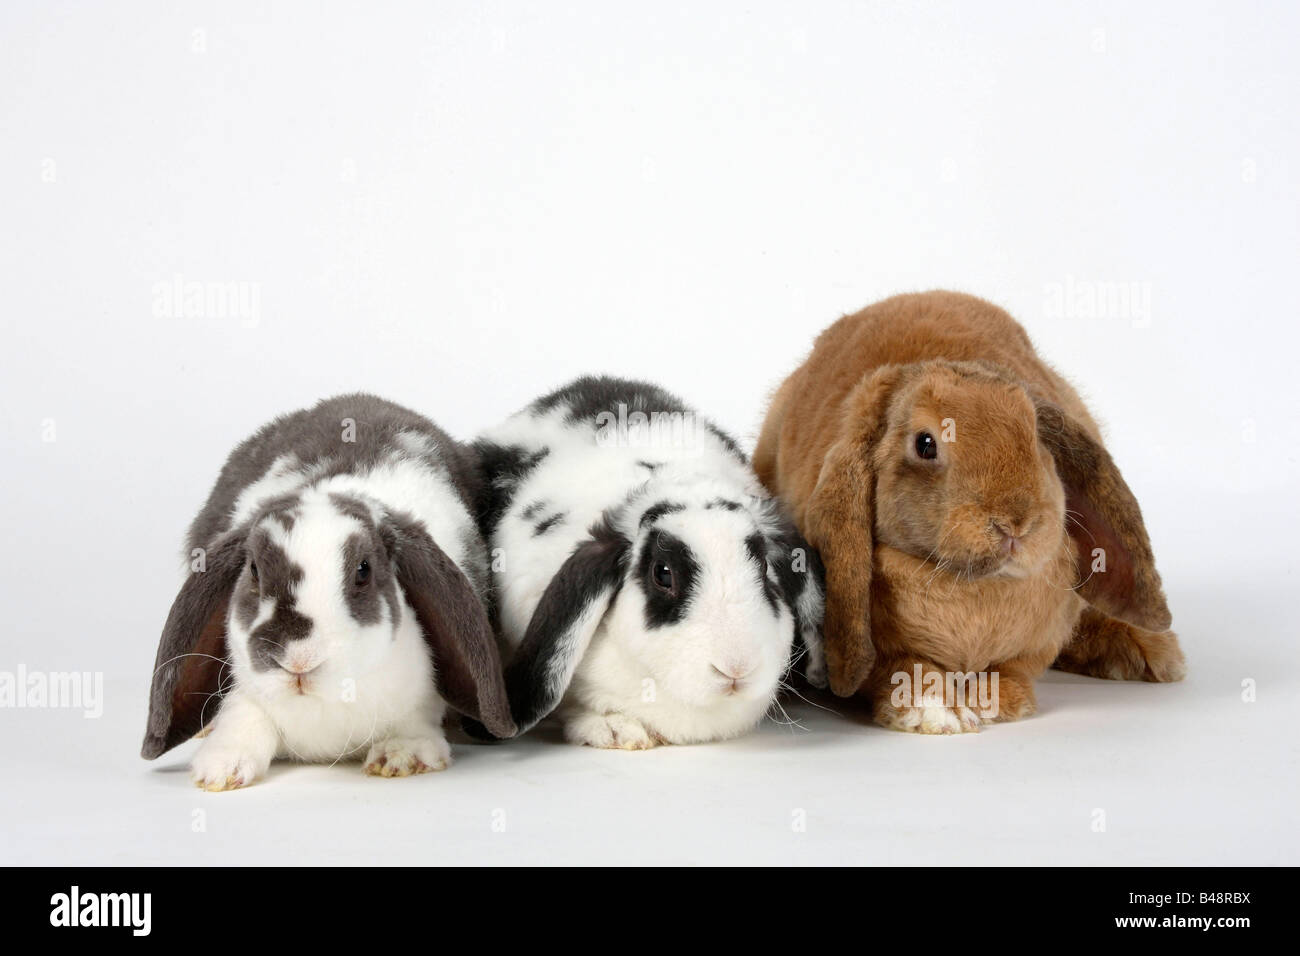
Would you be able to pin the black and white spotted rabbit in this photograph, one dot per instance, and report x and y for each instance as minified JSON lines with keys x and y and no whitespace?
{"x":645,"y":583}
{"x":335,"y":602}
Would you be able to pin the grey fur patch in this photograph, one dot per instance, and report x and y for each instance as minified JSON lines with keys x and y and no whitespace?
{"x":354,"y":508}
{"x":367,"y":545}
{"x":475,"y":563}
{"x":364,"y":600}
{"x":586,"y":398}
{"x":270,"y":638}
{"x":724,"y":504}
{"x":314,"y":437}
{"x":658,"y":510}
{"x":503,"y":468}
{"x":546,"y":524}
{"x":277,"y":578}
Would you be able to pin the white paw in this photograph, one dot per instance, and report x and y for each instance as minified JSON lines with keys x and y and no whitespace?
{"x":933,"y":719}
{"x":610,"y":731}
{"x":217,"y":767}
{"x":403,"y":756}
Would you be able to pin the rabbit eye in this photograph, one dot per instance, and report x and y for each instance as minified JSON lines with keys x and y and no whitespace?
{"x":663,"y":576}
{"x":926,"y":446}
{"x":363,"y":573}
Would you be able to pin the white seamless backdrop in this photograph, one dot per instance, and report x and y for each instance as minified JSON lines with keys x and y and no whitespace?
{"x":461,"y":205}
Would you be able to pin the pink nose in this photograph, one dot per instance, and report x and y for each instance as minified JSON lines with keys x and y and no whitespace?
{"x":1012,"y":534}
{"x":736,"y":673}
{"x":300,"y":668}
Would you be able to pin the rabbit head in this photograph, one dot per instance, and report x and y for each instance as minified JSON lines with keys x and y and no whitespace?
{"x":307,"y":595}
{"x":697,"y":590}
{"x":961,"y":464}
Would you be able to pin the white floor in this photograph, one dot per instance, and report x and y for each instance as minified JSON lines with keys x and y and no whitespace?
{"x":1185,"y":774}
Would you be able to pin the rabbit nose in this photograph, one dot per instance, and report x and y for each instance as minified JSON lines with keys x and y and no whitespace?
{"x":299,"y":671}
{"x":735,"y":673}
{"x":1012,"y":533}
{"x":300,"y":668}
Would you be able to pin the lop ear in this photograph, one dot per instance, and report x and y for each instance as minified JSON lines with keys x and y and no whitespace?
{"x":1116,"y":569}
{"x":839,"y":522}
{"x":802,"y":581}
{"x":192,"y":650}
{"x":467,"y":664}
{"x":563,"y":623}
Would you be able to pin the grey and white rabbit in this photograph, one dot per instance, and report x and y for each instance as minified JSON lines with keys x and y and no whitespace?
{"x":335,"y":602}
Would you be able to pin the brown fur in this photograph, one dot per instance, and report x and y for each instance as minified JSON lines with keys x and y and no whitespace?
{"x":915,"y":551}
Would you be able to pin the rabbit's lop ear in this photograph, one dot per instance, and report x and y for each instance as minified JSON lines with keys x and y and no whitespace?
{"x":838,"y":522}
{"x":801,"y":578}
{"x":563,"y":623}
{"x":192,"y":650}
{"x":1117,"y":571}
{"x":467,"y":664}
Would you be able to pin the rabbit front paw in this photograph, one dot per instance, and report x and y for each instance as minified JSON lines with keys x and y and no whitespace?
{"x":220,"y":767}
{"x":609,"y":731}
{"x":404,"y":756}
{"x":929,"y":719}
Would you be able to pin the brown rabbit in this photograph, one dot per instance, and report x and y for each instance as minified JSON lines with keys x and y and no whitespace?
{"x":971,"y":522}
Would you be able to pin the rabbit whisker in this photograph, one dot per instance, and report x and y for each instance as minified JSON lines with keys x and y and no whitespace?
{"x":811,"y":703}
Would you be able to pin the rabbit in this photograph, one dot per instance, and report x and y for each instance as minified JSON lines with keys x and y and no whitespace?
{"x":972,"y":525}
{"x":646,"y":588}
{"x":336,"y":602}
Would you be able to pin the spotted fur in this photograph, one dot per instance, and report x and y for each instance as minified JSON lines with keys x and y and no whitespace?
{"x":648,"y":491}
